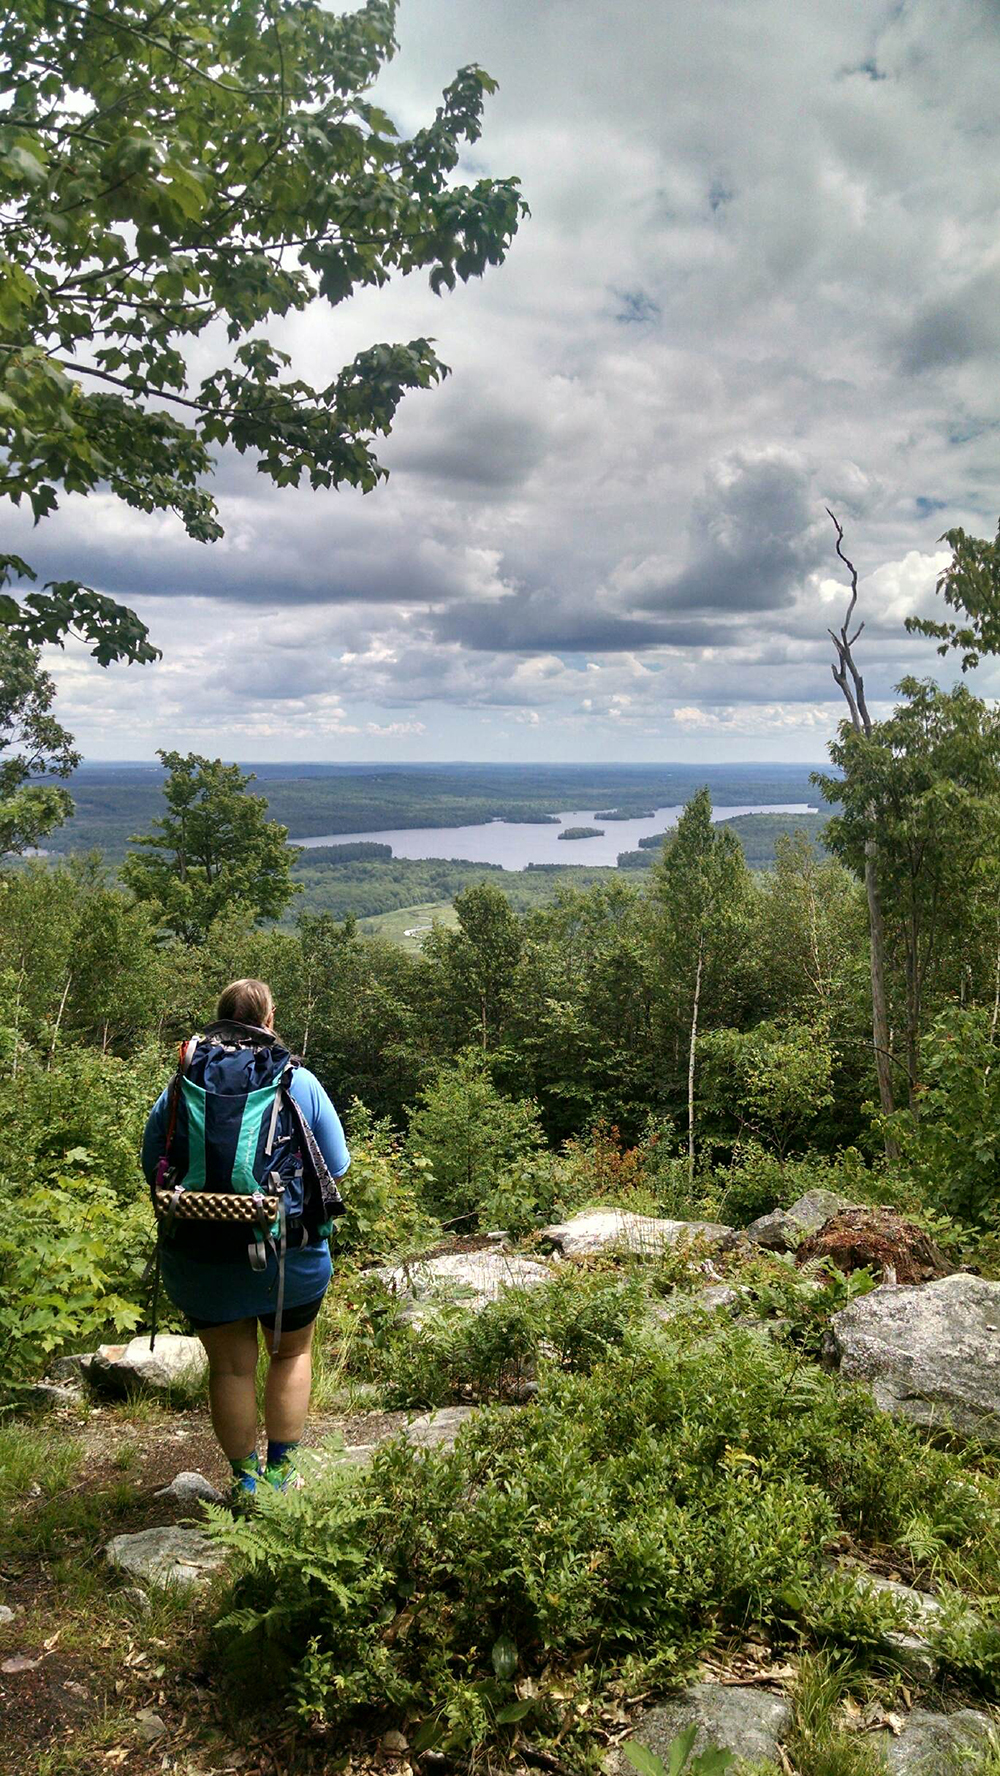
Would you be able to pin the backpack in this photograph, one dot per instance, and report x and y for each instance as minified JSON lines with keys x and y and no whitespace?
{"x":241,"y":1170}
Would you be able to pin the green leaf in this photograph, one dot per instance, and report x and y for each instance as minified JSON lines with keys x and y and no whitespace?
{"x":646,"y":1762}
{"x":514,"y":1711}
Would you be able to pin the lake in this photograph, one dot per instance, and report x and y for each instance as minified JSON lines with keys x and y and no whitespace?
{"x":515,"y":844}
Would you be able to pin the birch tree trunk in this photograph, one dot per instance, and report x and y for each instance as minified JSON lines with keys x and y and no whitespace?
{"x":691,"y":1052}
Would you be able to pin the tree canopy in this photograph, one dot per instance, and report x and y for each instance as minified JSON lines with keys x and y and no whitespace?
{"x":213,"y":851}
{"x":32,"y":745}
{"x":180,"y":178}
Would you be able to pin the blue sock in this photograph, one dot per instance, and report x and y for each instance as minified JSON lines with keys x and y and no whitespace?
{"x":278,"y":1452}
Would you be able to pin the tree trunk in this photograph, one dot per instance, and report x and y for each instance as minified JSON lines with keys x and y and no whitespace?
{"x":880,"y":1012}
{"x":694,"y":1038}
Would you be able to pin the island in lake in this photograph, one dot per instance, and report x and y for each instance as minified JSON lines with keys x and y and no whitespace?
{"x":581,"y":832}
{"x":625,"y":814}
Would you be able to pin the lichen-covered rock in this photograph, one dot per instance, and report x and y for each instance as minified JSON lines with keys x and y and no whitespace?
{"x":167,"y":1556}
{"x":783,"y":1230}
{"x":746,"y":1721}
{"x":176,"y":1365}
{"x":609,"y":1230}
{"x":473,"y":1278}
{"x":930,"y":1744}
{"x":930,"y":1354}
{"x":45,"y":1396}
{"x":717,"y":1298}
{"x":72,"y":1368}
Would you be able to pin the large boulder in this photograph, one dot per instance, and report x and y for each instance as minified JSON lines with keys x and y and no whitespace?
{"x":783,"y":1230}
{"x":932,"y":1744}
{"x":745,"y":1721}
{"x":929,"y":1353}
{"x":177,"y":1365}
{"x":473,"y":1278}
{"x":167,"y":1556}
{"x":615,"y":1230}
{"x":438,"y":1430}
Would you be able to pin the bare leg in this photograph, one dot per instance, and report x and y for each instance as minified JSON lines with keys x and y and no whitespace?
{"x":289,"y":1380}
{"x":232,"y":1368}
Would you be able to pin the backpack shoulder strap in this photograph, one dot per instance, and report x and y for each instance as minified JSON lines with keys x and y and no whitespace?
{"x":319,"y":1174}
{"x":185,"y":1050}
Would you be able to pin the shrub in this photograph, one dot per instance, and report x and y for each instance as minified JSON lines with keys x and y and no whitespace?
{"x":381,"y":1190}
{"x":670,"y":1494}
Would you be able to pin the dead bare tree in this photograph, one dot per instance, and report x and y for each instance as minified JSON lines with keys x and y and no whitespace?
{"x":851,"y":683}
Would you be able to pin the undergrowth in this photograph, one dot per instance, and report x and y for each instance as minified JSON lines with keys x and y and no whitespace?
{"x":593,"y":1544}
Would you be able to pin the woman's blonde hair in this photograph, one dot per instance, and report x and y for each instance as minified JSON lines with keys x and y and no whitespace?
{"x":246,"y":1002}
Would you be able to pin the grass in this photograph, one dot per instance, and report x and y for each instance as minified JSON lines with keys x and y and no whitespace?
{"x":32,"y":1459}
{"x":401,"y":926}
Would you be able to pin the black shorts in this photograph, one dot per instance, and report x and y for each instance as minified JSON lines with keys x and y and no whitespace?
{"x":292,"y":1320}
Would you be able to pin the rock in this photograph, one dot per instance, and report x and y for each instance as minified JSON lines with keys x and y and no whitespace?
{"x":602,"y":1230}
{"x":395,"y":1743}
{"x":498,"y":1236}
{"x":168,"y":1556}
{"x":20,"y":1662}
{"x":44,"y":1396}
{"x":929,"y":1743}
{"x":177,"y":1365}
{"x":746,"y":1721}
{"x":150,"y":1725}
{"x":471,"y":1277}
{"x":783,"y":1230}
{"x":71,"y":1368}
{"x":436,"y":1430}
{"x":910,"y":1648}
{"x":930,"y":1354}
{"x":713,"y":1300}
{"x":135,"y":1595}
{"x":187,"y":1487}
{"x":879,"y":1240}
{"x":6,"y":1614}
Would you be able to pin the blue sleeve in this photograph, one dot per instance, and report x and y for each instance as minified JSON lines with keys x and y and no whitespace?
{"x":322,"y":1119}
{"x":155,"y":1138}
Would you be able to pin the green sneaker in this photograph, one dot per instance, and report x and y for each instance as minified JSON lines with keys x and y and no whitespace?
{"x":284,"y":1476}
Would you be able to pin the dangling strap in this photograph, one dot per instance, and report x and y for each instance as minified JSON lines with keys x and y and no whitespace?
{"x":282,"y":1249}
{"x":257,"y":1250}
{"x":153,"y":1267}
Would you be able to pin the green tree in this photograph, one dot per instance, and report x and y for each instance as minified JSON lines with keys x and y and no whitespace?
{"x":772,"y":1081}
{"x":477,"y":966}
{"x":469,"y":1133}
{"x":702,"y":889}
{"x":32,"y":745}
{"x":970,"y":584}
{"x":168,"y":176}
{"x":213,"y":850}
{"x":926,"y":784}
{"x":582,"y":1030}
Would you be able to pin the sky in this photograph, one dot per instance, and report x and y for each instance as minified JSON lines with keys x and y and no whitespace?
{"x":761,"y":276}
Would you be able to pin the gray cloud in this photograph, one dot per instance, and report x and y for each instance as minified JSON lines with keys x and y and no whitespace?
{"x":760,"y":277}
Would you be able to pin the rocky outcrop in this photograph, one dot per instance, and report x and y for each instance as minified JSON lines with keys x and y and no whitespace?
{"x":745,"y":1721}
{"x":438,"y":1430}
{"x":167,"y":1556}
{"x":783,"y":1230}
{"x":910,"y":1645}
{"x":931,"y":1744}
{"x":611,"y":1230}
{"x":176,"y":1366}
{"x":930,"y":1354}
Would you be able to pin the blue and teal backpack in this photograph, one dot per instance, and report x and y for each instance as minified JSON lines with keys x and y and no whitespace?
{"x":241,"y":1171}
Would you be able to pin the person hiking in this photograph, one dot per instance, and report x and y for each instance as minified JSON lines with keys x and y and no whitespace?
{"x":242,"y":1152}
